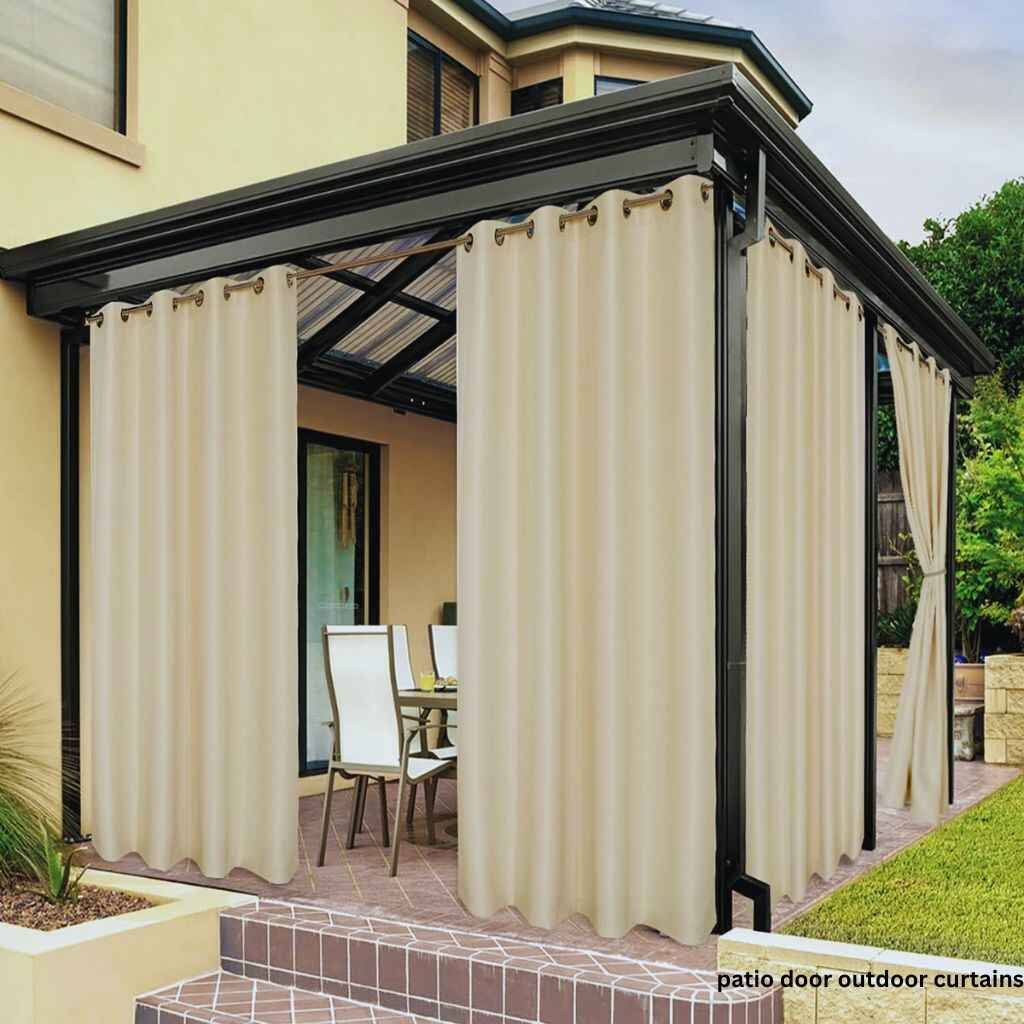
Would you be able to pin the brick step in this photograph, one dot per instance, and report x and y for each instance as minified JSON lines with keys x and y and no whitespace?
{"x":466,"y":977}
{"x":223,"y":998}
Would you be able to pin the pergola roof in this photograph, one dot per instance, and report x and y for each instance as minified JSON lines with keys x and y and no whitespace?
{"x":387,"y":333}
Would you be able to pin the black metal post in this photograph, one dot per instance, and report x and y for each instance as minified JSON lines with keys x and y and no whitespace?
{"x":70,"y":648}
{"x":730,"y":528}
{"x":870,"y":577}
{"x":951,"y":592}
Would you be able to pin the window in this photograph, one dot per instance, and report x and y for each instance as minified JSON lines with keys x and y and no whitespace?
{"x":441,"y":93}
{"x":537,"y":97}
{"x":339,"y":559}
{"x":68,"y":52}
{"x":604,"y":84}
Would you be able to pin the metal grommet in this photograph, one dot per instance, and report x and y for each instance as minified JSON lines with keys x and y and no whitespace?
{"x":258,"y":286}
{"x":666,"y":199}
{"x":499,"y":238}
{"x":99,"y":320}
{"x":626,"y":209}
{"x":561,"y":222}
{"x":529,"y":230}
{"x":149,"y":310}
{"x":469,"y":243}
{"x":592,"y":216}
{"x":200,"y":297}
{"x":705,"y":194}
{"x":124,"y":316}
{"x":227,"y":293}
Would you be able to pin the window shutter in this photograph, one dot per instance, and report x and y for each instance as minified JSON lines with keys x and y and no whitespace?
{"x":420,"y":93}
{"x":458,"y":98}
{"x":537,"y":97}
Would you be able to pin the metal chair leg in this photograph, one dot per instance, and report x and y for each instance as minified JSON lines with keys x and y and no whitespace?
{"x":326,"y":824}
{"x":410,"y":807}
{"x":362,"y":806}
{"x":429,"y":793}
{"x":384,"y":841}
{"x":353,"y":820}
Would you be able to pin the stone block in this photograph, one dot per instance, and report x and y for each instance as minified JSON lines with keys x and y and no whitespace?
{"x":885,"y":724}
{"x":892,"y":660}
{"x":969,"y":1006}
{"x":1009,"y":727}
{"x":1015,"y":751}
{"x":1004,"y":672}
{"x":890,"y":685}
{"x":995,"y":701}
{"x":995,"y":749}
{"x":838,"y":1005}
{"x":1014,"y":701}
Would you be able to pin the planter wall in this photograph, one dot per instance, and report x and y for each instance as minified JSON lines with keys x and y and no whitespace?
{"x":91,"y":973}
{"x":892,"y":665}
{"x":1004,"y":709}
{"x":929,"y":999}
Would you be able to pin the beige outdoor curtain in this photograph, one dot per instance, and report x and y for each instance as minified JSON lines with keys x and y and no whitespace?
{"x":922,"y":395}
{"x":587,"y":569}
{"x":194,"y":612}
{"x":805,"y":569}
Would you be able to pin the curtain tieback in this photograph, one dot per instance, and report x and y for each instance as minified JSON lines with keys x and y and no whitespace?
{"x":938,"y":572}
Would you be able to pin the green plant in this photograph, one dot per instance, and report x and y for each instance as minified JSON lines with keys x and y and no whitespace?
{"x":895,"y":627}
{"x":990,"y":514}
{"x":24,"y":781}
{"x":56,"y":873}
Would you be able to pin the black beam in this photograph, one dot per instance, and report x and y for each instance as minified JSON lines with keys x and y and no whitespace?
{"x":429,"y":341}
{"x":70,"y":641}
{"x":366,"y":305}
{"x":870,"y":577}
{"x":366,"y":284}
{"x":951,"y":595}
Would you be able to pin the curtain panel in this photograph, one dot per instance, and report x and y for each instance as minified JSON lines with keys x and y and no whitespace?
{"x":922,"y":396}
{"x":805,"y":569}
{"x":586,"y":513}
{"x":194,"y":536}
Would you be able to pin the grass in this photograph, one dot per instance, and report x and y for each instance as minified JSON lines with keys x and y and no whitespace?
{"x":958,"y":892}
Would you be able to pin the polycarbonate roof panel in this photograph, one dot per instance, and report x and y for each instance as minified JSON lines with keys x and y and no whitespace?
{"x":437,"y":284}
{"x":439,"y":366}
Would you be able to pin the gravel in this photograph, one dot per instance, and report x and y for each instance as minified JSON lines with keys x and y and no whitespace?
{"x":21,"y":904}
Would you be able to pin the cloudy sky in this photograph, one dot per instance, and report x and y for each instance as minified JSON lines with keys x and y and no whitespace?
{"x":918,"y":104}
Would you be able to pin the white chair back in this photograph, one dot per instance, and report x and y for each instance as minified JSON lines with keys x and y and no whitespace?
{"x":444,"y":650}
{"x":359,"y":663}
{"x":404,"y":678}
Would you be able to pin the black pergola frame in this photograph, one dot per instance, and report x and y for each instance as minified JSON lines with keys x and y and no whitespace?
{"x":711,"y":122}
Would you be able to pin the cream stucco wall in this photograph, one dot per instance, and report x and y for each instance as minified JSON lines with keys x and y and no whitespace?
{"x":228,"y":93}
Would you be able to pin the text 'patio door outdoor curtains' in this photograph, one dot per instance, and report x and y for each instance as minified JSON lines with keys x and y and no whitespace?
{"x":194,"y":533}
{"x":805,"y":569}
{"x":922,"y":396}
{"x":586,"y":530}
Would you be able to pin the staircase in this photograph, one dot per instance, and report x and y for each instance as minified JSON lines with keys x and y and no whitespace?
{"x":290,"y":963}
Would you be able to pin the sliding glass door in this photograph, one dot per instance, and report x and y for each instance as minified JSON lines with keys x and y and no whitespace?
{"x":338,"y":567}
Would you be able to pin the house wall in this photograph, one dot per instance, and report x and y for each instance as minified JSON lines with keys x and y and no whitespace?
{"x":228,"y":94}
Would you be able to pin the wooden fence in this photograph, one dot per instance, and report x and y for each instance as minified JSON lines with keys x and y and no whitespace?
{"x":893,"y":538}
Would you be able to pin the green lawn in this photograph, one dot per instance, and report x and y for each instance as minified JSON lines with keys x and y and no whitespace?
{"x":957,"y":892}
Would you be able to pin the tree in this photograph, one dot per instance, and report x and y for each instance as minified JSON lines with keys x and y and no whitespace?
{"x":976,"y":262}
{"x":990,"y":513}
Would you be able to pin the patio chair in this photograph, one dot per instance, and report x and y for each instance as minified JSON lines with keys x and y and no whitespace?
{"x":372,"y":739}
{"x":444,"y":653}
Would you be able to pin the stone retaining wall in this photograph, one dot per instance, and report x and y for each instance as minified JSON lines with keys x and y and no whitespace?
{"x":840,"y":982}
{"x":1004,"y":709}
{"x":891,"y":667}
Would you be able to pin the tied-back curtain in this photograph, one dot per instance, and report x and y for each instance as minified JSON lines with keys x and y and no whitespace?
{"x":194,"y":537}
{"x":805,"y":569}
{"x":922,"y":396}
{"x":587,"y":567}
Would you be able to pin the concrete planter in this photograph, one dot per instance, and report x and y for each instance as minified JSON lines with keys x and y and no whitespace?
{"x":891,"y":667}
{"x":1004,"y":709}
{"x":91,"y":973}
{"x":834,"y":981}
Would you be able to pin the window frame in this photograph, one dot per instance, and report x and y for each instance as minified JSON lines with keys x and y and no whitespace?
{"x":440,"y":59}
{"x":120,"y":142}
{"x":372,"y":581}
{"x":626,"y":83}
{"x":535,"y":86}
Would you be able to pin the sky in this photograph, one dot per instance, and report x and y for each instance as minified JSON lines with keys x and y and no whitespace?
{"x":918,"y":106}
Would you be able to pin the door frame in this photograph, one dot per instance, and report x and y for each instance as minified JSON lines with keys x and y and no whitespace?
{"x":372,"y":580}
